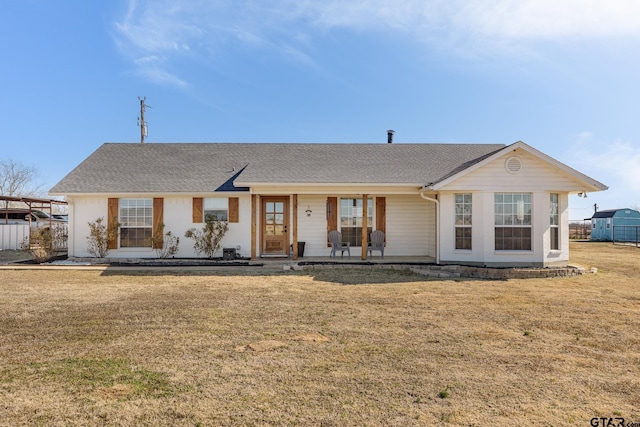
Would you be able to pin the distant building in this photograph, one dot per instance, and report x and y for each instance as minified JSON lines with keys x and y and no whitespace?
{"x":624,"y":222}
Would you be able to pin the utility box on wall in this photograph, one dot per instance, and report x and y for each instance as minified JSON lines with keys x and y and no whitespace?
{"x":228,"y":253}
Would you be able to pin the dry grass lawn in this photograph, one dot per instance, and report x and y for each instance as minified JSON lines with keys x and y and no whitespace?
{"x":330,"y":348}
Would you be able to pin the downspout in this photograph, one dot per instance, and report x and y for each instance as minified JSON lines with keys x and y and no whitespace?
{"x":437,"y":202}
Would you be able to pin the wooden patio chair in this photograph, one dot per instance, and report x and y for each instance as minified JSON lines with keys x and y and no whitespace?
{"x":377,"y":243}
{"x":335,"y":238}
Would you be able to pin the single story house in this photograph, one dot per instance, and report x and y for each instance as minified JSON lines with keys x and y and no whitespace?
{"x":472,"y":204}
{"x":623,"y":224}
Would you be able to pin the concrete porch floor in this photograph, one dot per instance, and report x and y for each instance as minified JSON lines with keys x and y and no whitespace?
{"x":355,"y":260}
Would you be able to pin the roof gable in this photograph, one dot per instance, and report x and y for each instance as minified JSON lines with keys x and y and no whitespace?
{"x":574,"y":180}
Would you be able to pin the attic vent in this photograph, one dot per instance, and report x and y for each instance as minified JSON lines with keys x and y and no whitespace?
{"x":513,"y":165}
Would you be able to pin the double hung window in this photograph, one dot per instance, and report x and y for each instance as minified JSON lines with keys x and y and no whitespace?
{"x":463,"y":220}
{"x":136,"y":223}
{"x":351,"y":220}
{"x":554,"y":225}
{"x":512,"y":218}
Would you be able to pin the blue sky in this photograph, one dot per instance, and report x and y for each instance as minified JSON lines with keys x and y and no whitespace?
{"x":562,"y":76}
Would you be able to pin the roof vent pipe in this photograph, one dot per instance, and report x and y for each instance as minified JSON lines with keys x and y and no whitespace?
{"x":390,"y":136}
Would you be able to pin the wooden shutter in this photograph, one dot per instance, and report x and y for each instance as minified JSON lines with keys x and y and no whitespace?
{"x":332,"y":216}
{"x":234,"y":209}
{"x":158,"y":211}
{"x":381,"y":215}
{"x":112,"y":218}
{"x":197,"y":210}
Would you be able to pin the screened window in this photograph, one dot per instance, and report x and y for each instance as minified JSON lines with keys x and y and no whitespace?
{"x":136,"y":223}
{"x":512,"y":221}
{"x":554,"y":226}
{"x":463,"y":220}
{"x":351,"y":220}
{"x":216,"y":209}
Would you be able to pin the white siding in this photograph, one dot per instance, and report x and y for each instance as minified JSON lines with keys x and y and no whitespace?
{"x":535,"y":175}
{"x":313,"y":229}
{"x":177,"y":218}
{"x":410,"y":226}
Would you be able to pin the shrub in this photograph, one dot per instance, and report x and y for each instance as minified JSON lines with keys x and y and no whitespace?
{"x":99,"y":236}
{"x":44,"y":243}
{"x":207,"y":240}
{"x":165,"y":244}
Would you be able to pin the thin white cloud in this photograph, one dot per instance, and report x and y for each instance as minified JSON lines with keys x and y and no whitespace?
{"x":171,"y":30}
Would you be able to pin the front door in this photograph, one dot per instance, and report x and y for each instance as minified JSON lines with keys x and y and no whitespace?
{"x":275,"y":221}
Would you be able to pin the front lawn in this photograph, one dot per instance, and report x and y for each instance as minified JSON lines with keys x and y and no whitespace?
{"x":328,"y":347}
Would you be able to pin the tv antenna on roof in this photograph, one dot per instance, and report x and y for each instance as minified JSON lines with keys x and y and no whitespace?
{"x":141,"y":122}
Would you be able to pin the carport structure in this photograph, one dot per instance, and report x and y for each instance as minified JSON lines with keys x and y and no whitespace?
{"x":33,"y":203}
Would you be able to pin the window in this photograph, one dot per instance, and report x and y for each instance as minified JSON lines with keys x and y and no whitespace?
{"x":554,"y":227}
{"x":463,"y":212}
{"x":136,"y":223}
{"x":216,"y":208}
{"x":512,"y":221}
{"x":608,"y":222}
{"x":351,"y":220}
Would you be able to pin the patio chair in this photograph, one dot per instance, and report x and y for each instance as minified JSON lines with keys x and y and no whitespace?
{"x":335,"y":238}
{"x":377,"y":243}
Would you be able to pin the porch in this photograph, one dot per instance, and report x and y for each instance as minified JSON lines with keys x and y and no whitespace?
{"x":346,"y":261}
{"x":280,"y":224}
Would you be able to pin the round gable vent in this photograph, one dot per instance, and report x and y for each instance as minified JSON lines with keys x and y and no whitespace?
{"x":513,"y":165}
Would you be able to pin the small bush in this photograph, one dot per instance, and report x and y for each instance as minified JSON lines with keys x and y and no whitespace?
{"x":165,"y":244}
{"x":99,"y":236}
{"x":208,"y":239}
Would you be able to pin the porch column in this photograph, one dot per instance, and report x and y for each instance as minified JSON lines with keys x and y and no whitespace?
{"x":365,"y":214}
{"x":254,"y":218}
{"x":295,"y":227}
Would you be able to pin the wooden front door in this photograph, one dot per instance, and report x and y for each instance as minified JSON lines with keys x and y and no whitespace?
{"x":275,"y":224}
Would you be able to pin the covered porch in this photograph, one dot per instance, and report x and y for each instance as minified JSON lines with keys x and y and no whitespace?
{"x":296,"y":226}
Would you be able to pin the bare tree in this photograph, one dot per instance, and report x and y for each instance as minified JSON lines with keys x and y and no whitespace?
{"x":17,"y":179}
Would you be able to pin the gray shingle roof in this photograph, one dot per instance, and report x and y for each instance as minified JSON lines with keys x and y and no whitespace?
{"x":610,"y":213}
{"x":207,"y":167}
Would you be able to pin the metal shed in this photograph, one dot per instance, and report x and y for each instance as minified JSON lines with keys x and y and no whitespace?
{"x":618,"y":225}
